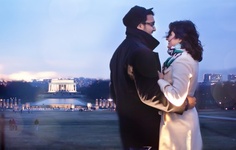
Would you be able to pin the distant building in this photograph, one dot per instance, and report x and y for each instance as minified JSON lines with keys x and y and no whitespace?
{"x":62,"y":85}
{"x":232,"y":77}
{"x":212,"y":78}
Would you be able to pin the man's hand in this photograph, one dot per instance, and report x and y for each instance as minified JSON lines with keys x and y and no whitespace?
{"x":191,"y":102}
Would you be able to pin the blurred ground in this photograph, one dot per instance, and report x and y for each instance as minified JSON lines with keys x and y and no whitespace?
{"x":98,"y":130}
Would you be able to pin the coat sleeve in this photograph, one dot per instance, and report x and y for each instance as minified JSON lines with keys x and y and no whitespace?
{"x":177,"y":91}
{"x":112,"y":91}
{"x":145,"y":75}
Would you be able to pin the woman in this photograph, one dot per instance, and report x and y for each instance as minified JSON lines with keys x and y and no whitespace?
{"x":179,"y":80}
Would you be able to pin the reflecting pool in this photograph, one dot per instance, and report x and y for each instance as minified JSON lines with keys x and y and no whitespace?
{"x":49,"y":101}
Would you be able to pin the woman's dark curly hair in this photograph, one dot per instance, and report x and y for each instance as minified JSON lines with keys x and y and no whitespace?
{"x":186,"y":31}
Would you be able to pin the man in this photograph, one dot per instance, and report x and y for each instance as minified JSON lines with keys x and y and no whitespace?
{"x":36,"y":123}
{"x":134,"y":76}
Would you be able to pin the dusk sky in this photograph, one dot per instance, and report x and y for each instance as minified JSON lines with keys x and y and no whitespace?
{"x":76,"y":38}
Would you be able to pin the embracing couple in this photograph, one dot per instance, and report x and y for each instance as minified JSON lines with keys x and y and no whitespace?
{"x":155,"y":103}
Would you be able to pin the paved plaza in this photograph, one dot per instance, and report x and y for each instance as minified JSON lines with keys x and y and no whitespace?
{"x":98,"y":130}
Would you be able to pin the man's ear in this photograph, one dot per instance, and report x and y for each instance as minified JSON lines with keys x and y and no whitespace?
{"x":140,"y":26}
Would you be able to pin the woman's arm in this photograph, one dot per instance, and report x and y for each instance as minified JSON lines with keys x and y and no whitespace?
{"x":177,"y":91}
{"x":190,"y":101}
{"x":145,"y":79}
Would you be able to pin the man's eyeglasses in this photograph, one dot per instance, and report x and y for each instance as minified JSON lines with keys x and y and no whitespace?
{"x":152,"y":24}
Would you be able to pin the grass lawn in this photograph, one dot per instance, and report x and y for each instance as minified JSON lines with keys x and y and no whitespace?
{"x":98,"y":130}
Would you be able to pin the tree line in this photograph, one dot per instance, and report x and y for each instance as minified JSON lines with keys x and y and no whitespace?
{"x":221,"y":94}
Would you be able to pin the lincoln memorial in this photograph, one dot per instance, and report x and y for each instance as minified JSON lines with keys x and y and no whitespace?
{"x":62,"y":85}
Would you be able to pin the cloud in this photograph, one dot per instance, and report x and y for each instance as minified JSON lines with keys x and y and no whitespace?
{"x":28,"y":76}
